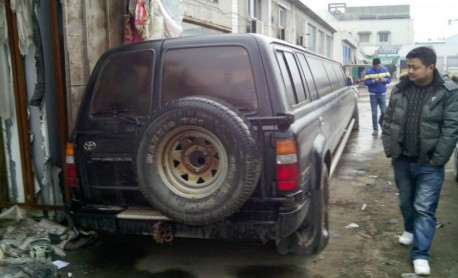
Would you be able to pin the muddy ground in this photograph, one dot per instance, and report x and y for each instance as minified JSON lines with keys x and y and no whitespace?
{"x":362,"y":194}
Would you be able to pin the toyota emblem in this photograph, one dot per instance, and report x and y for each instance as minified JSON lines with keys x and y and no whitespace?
{"x":89,"y":145}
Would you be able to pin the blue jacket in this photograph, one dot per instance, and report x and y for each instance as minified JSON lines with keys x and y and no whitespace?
{"x":371,"y":77}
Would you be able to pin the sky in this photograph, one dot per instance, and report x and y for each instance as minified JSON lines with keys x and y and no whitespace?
{"x":431,"y":17}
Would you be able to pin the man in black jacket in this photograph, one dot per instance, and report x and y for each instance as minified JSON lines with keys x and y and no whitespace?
{"x":420,"y":131}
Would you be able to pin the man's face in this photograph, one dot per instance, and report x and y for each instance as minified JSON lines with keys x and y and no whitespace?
{"x":419,"y":73}
{"x":377,"y":66}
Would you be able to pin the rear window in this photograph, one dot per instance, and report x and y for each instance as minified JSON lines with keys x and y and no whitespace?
{"x":124,"y":85}
{"x":223,"y":72}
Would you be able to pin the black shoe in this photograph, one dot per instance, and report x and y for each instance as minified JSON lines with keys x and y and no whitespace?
{"x":375,"y":132}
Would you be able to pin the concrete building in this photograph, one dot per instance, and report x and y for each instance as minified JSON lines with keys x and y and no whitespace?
{"x":382,"y":27}
{"x":447,"y":55}
{"x":380,"y":30}
{"x":289,"y":20}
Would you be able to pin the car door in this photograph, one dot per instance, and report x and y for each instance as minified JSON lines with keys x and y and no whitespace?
{"x":117,"y":100}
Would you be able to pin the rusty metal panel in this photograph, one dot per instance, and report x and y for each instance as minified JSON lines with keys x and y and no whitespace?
{"x":90,"y":28}
{"x":116,"y":12}
{"x":74,"y":55}
{"x":96,"y":30}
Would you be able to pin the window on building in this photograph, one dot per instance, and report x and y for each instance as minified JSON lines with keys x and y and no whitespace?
{"x":328,"y":46}
{"x":254,"y":9}
{"x":364,"y":36}
{"x":281,"y":17}
{"x":383,"y":36}
{"x":311,"y":37}
{"x":300,"y":39}
{"x":320,"y":48}
{"x":346,"y":54}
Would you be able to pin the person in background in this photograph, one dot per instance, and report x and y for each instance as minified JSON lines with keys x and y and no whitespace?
{"x":420,"y":132}
{"x":375,"y":79}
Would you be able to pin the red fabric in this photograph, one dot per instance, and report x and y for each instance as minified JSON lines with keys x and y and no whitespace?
{"x":141,"y":16}
{"x":131,"y":33}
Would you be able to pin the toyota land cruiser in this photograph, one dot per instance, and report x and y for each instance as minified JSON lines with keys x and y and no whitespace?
{"x":228,"y":136}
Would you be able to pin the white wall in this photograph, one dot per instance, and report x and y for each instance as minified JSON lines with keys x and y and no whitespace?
{"x":401,"y":30}
{"x":218,"y":14}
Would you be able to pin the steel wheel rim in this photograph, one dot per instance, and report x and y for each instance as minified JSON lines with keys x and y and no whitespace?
{"x":192,"y":162}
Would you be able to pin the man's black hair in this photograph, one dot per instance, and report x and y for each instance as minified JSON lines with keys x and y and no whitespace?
{"x":426,"y":55}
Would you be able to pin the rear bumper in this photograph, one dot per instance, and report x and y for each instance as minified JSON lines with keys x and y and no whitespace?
{"x":145,"y":221}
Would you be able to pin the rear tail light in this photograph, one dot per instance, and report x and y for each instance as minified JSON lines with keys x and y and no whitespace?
{"x":70,"y":164}
{"x":287,"y":165}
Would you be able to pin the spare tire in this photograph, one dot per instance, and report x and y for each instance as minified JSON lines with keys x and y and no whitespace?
{"x":197,"y":160}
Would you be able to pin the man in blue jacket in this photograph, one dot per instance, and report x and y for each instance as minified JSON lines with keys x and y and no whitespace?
{"x":376,"y":79}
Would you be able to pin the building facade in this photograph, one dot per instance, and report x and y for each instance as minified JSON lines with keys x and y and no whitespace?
{"x":381,"y":31}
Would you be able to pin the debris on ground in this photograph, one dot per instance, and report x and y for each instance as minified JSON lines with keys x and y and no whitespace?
{"x":393,"y":221}
{"x":352,"y":226}
{"x":365,"y":235}
{"x":409,"y":275}
{"x":27,"y":246}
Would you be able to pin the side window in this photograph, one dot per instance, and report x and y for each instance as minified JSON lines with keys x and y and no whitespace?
{"x":340,"y":75}
{"x":124,"y":85}
{"x":332,"y":75}
{"x":320,"y":76}
{"x":290,"y":93}
{"x":296,"y":76}
{"x":308,"y":75}
{"x":222,"y":72}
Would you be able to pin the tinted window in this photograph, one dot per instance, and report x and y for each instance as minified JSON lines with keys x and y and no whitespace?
{"x":286,"y":75}
{"x":340,"y":75}
{"x":308,"y":75}
{"x":124,"y":85}
{"x":332,"y":75}
{"x":296,"y":76}
{"x":320,"y":76}
{"x":223,"y":72}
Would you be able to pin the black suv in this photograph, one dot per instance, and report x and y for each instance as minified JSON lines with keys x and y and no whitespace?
{"x":230,"y":136}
